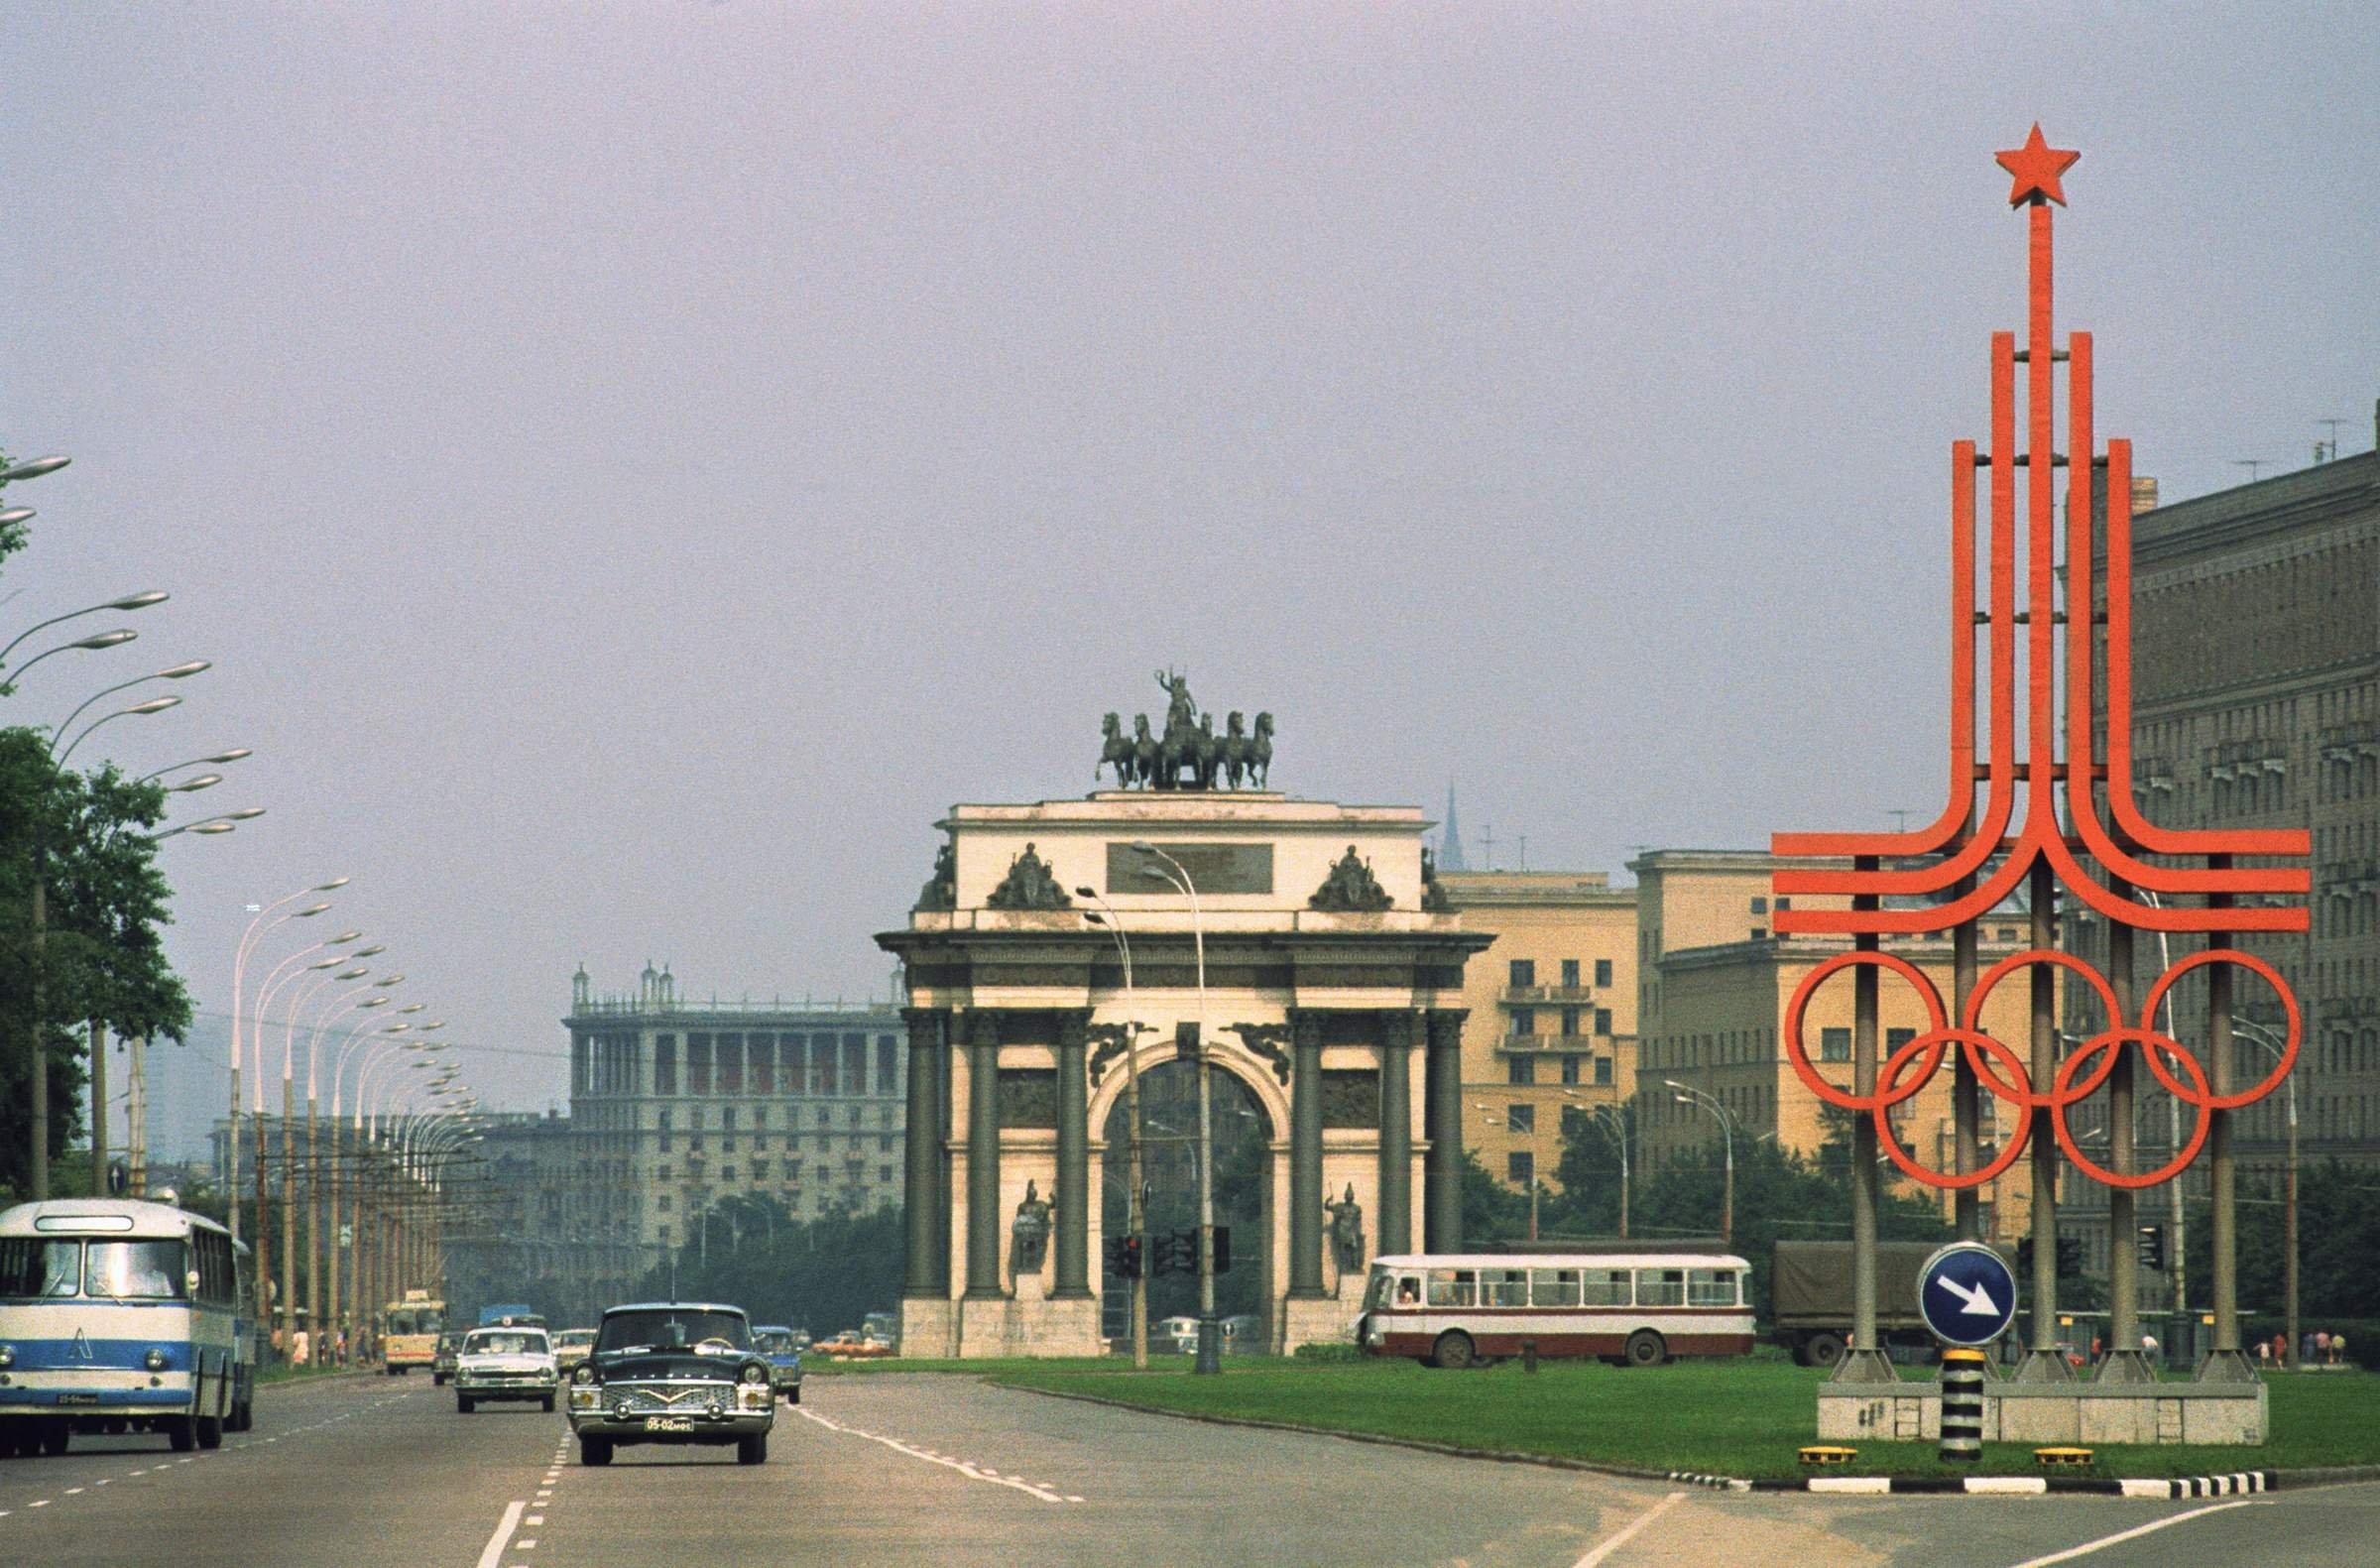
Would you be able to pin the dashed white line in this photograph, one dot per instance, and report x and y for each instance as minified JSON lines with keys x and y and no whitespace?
{"x":971,"y":1472}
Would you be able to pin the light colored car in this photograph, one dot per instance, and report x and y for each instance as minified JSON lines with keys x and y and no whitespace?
{"x":504,"y":1364}
{"x":571,"y":1347}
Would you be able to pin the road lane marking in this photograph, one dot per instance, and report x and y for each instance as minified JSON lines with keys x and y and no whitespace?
{"x":1614,"y":1544}
{"x":74,"y":1491}
{"x":2138,"y":1531}
{"x":971,"y":1472}
{"x":492,"y":1555}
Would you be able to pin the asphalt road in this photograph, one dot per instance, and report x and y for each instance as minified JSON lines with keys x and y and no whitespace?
{"x":887,"y":1469}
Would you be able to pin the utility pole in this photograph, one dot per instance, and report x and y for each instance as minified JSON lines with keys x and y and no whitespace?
{"x":37,"y":1177}
{"x":136,"y":1117}
{"x":98,"y":1109}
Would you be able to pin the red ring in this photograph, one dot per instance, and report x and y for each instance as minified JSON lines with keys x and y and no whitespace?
{"x":2151,"y":1044}
{"x":2030,"y":956}
{"x":2289,"y":1052}
{"x":1887,"y":1079}
{"x":1797,"y":1055}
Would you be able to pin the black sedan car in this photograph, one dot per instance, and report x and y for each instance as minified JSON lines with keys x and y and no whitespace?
{"x":672,"y":1371}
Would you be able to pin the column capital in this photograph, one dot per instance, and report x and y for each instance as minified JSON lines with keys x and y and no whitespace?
{"x":1446,"y":1026}
{"x":983,"y":1028}
{"x":1305,"y":1029}
{"x":1074,"y":1028}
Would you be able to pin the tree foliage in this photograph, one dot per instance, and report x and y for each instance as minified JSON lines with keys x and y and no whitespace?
{"x":822,"y":1274}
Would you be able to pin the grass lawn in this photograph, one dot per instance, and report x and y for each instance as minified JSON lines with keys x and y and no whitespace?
{"x":1734,"y":1418}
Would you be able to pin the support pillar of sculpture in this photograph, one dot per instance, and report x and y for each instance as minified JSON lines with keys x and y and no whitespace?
{"x":1397,"y":1133}
{"x":1442,"y":1184}
{"x":1866,"y":1359}
{"x":982,"y":1155}
{"x":1305,"y":1155}
{"x":2044,"y":1362}
{"x":2226,"y":1363}
{"x":921,"y":1174}
{"x":1074,"y":1193}
{"x":2126,"y":1361}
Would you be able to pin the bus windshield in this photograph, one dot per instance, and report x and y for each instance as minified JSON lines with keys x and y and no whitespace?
{"x":33,"y":1266}
{"x":150,"y":1270}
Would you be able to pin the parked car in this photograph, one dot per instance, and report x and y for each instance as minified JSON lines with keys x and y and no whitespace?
{"x":504,"y":1364}
{"x":442,"y":1366}
{"x":671,"y":1372}
{"x":1178,"y":1333}
{"x":571,"y":1347}
{"x":784,"y":1360}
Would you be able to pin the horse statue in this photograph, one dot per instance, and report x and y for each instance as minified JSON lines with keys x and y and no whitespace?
{"x":1114,"y":751}
{"x":1144,"y":753}
{"x":1177,"y":750}
{"x":1260,"y":751}
{"x":1235,"y":749}
{"x":1207,"y":759}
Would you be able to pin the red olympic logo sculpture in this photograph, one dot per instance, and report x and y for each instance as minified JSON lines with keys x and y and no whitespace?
{"x":1912,"y":1067}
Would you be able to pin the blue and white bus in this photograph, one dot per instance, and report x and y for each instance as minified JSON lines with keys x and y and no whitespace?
{"x":119,"y":1317}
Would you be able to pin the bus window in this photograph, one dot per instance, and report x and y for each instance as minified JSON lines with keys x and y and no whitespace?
{"x":1660,"y":1287}
{"x":1504,"y":1287}
{"x":1710,"y":1287}
{"x":151,"y":1270}
{"x":1454,"y":1287}
{"x":33,"y":1267}
{"x":1607,"y":1288}
{"x":1554,"y":1288}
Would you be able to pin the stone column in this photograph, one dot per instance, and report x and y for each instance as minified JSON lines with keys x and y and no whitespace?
{"x":982,"y":1155}
{"x":1397,"y":1133}
{"x":920,"y":1201}
{"x":1074,"y":1195}
{"x":946,"y":1047}
{"x":1441,"y":1113}
{"x":1305,"y":1154}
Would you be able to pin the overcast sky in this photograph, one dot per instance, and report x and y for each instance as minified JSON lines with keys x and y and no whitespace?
{"x":634,"y":466}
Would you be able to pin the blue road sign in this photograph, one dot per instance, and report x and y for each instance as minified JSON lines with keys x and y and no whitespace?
{"x":1966,"y":1293}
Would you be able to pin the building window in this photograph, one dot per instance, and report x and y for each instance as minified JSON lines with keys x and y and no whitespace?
{"x":664,"y":1066}
{"x":1569,"y":1069}
{"x":1570,"y":1021}
{"x":1524,"y":972}
{"x":1520,"y":1119}
{"x":662,"y":1234}
{"x":662,"y":1204}
{"x":1602,"y":1021}
{"x":698,"y":1064}
{"x":1602,"y":971}
{"x":1760,"y":905}
{"x":660,"y":1172}
{"x":1570,"y":971}
{"x":1521,"y":1069}
{"x":883,"y":1173}
{"x":1783,"y":905}
{"x":1760,"y":934}
{"x":760,"y":1171}
{"x":1603,"y":1070}
{"x":1524,"y":1020}
{"x":1520,"y":1167}
{"x":1894,"y":1039}
{"x":1835,"y":1044}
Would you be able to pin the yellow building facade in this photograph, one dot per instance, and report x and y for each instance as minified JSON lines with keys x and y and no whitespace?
{"x":1551,"y":1011}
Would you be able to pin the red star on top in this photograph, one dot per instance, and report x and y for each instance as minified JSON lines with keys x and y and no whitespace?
{"x":2036,"y":165}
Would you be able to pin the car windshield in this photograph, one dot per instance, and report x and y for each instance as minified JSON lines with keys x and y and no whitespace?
{"x":576,"y":1338}
{"x":774,"y":1340}
{"x":505,"y":1342}
{"x":674,"y":1328}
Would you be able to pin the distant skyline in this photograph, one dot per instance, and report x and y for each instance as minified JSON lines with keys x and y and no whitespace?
{"x":636,"y":467}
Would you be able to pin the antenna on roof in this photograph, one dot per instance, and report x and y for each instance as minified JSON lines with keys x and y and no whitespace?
{"x":2333,"y":444}
{"x":2251,"y":464}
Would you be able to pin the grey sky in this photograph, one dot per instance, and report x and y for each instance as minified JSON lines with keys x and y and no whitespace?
{"x":634,"y":466}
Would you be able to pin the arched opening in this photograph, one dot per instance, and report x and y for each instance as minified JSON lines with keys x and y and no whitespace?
{"x":1241,"y":1136}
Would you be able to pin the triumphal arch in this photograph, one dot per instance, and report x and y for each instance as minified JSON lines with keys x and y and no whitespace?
{"x":1065,"y":948}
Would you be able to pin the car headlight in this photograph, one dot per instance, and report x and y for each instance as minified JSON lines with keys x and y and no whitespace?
{"x":154,"y":1361}
{"x":585,"y":1372}
{"x":756,"y":1372}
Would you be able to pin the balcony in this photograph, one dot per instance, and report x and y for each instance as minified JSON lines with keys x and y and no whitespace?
{"x":1546,"y":995}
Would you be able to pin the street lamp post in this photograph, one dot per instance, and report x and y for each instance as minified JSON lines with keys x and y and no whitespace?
{"x":1210,"y":1358}
{"x":1135,"y":1219}
{"x":1727,"y":1126}
{"x":1618,"y":1131}
{"x":263,"y":922}
{"x":2259,"y":1035}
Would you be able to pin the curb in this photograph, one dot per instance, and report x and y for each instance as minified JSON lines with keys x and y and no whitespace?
{"x":2234,"y":1483}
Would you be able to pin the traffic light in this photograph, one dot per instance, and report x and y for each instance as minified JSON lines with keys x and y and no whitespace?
{"x":1123,"y":1257}
{"x":1223,"y":1249}
{"x":2152,"y":1248}
{"x":1182,"y":1250}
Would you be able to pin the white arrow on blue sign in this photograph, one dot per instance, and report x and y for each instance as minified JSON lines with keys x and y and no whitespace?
{"x":1966,"y":1293}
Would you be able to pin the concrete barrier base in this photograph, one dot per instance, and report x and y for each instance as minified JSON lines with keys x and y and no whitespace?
{"x":2035,"y":1414}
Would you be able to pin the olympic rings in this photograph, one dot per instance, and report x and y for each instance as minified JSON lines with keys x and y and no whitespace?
{"x":1889,"y":1093}
{"x":2152,"y":1045}
{"x":1913,"y":1065}
{"x":2289,"y":1049}
{"x":1799,"y":1056}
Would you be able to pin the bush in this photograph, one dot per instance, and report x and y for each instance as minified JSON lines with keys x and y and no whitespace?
{"x":1328,"y":1351}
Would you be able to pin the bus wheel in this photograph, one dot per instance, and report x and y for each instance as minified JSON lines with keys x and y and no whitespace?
{"x":1453,"y":1350}
{"x":1645,"y":1349}
{"x":594,"y":1450}
{"x":55,"y":1437}
{"x":1823,"y":1348}
{"x":210,"y":1431}
{"x":183,"y":1432}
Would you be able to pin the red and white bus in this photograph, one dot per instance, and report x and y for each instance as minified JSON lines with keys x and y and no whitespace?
{"x":1639,"y":1309}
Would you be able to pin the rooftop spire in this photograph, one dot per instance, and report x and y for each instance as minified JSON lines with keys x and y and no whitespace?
{"x":1450,"y":837}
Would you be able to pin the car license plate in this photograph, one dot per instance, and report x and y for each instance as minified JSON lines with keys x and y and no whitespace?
{"x":668,"y":1423}
{"x":78,"y":1398}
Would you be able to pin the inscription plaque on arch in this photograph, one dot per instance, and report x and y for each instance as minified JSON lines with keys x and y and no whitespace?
{"x":1213,"y":868}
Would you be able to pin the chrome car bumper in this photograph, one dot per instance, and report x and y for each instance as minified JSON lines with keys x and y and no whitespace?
{"x":631,"y":1415}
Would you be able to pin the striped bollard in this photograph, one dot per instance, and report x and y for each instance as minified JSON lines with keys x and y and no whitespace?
{"x":1961,"y":1405}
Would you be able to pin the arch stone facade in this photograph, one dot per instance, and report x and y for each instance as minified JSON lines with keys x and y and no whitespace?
{"x":1344,"y":1021}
